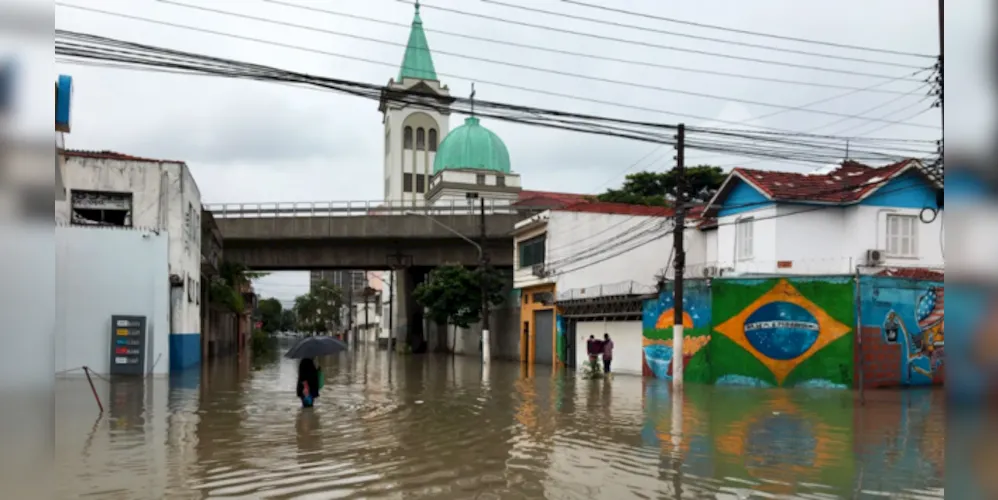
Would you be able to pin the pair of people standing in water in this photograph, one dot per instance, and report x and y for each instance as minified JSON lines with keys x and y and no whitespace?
{"x":603,"y":348}
{"x":309,"y":381}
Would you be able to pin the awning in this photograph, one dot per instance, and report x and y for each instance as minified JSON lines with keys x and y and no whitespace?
{"x":615,"y":307}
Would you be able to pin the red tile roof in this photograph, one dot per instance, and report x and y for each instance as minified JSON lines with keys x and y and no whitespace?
{"x":550,"y":199}
{"x":605,"y":207}
{"x":849,"y":182}
{"x":110,"y":155}
{"x":917,"y":273}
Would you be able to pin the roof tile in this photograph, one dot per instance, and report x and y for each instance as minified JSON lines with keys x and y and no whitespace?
{"x":847,"y":183}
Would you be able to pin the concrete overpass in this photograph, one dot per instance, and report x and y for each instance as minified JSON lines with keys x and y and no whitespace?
{"x":364,"y":235}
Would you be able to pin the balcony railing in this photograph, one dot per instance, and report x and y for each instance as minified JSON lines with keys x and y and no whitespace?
{"x":361,"y":208}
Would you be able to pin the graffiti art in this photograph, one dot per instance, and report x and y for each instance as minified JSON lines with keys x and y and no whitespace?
{"x":784,"y":330}
{"x":923,"y":345}
{"x":658,"y":322}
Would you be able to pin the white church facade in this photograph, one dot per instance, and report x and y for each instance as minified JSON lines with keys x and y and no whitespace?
{"x":426,"y":163}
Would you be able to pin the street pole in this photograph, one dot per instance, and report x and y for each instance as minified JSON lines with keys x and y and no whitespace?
{"x":680,"y":265}
{"x":483,"y":266}
{"x":391,"y":310}
{"x":367,"y":322}
{"x":349,"y":333}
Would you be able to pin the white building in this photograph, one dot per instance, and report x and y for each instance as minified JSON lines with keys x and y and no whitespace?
{"x":826,"y":223}
{"x":113,"y":190}
{"x":427,"y":163}
{"x":592,"y":253}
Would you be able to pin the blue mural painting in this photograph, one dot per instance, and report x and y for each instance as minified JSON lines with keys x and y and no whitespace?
{"x":658,"y":318}
{"x":910,"y":317}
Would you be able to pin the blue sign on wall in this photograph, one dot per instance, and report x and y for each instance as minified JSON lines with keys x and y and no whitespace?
{"x":63,"y":103}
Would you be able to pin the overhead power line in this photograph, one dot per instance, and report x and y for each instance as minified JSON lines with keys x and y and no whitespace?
{"x":90,"y":47}
{"x":395,"y":65}
{"x":511,"y":43}
{"x":650,"y":44}
{"x":529,"y":67}
{"x":747,"y":32}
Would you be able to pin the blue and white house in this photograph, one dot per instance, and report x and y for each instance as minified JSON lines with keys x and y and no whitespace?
{"x":831,"y":221}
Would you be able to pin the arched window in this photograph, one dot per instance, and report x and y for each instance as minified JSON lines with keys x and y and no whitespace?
{"x":407,"y":138}
{"x":433,"y":139}
{"x":421,"y":139}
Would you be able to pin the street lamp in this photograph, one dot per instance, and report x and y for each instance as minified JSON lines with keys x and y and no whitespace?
{"x":486,"y":338}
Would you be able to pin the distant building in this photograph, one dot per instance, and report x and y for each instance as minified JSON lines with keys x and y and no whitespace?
{"x":350,"y":281}
{"x":114,"y":190}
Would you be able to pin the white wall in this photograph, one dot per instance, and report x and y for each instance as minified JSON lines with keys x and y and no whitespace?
{"x":832,"y":240}
{"x":102,"y":272}
{"x":573,"y":235}
{"x":399,"y":160}
{"x":164,"y":196}
{"x":626,"y":336}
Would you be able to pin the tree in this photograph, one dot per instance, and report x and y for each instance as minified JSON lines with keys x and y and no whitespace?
{"x":319,"y":309}
{"x":287,"y":322}
{"x":270,"y":311}
{"x":452,"y":294}
{"x":659,"y":188}
{"x":225,"y":289}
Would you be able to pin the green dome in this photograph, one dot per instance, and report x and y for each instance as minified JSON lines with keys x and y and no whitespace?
{"x":472,"y":146}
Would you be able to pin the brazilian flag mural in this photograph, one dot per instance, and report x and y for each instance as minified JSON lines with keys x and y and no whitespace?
{"x":783,"y":332}
{"x":658,"y":318}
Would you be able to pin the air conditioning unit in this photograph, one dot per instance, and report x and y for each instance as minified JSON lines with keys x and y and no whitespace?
{"x":538,"y":270}
{"x":710,"y":271}
{"x":874,"y":257}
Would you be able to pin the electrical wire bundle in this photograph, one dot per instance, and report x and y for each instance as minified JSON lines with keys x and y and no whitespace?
{"x":811,"y":148}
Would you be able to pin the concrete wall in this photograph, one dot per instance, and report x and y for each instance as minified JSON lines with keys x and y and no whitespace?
{"x":627,"y":341}
{"x":504,"y":333}
{"x":830,"y":240}
{"x":103,"y":272}
{"x":902,"y":332}
{"x":164,"y":197}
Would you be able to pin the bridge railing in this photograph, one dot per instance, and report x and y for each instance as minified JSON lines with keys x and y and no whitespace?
{"x":361,"y":208}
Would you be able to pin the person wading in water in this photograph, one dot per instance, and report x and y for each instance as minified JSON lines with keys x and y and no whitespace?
{"x":607,"y":352}
{"x":308,"y":383}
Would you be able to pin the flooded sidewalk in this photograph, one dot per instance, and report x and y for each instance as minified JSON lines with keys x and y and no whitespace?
{"x":437,"y":427}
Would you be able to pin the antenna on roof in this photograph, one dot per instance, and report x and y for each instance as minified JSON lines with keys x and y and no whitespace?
{"x":847,"y":149}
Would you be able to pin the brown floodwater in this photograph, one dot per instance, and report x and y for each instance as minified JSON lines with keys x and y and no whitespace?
{"x":437,"y":427}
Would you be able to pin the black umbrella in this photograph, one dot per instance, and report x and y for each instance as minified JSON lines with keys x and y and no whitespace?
{"x":314,"y":347}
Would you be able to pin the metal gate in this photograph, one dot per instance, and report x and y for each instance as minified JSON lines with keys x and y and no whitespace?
{"x":543,"y":336}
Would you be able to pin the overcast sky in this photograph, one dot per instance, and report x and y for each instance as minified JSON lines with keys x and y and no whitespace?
{"x":251,"y":142}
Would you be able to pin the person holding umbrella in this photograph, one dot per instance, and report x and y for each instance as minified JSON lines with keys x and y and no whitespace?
{"x":309,"y":378}
{"x":308,"y":382}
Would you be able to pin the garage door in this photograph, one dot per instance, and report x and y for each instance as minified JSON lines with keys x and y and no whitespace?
{"x":544,"y":336}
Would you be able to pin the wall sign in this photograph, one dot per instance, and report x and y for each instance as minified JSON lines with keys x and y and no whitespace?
{"x":128,"y":345}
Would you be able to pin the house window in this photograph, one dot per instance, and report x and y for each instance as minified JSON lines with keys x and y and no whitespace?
{"x":500,"y":180}
{"x":480,"y":179}
{"x":96,"y":208}
{"x":744,"y":240}
{"x":433,"y":139}
{"x":421,"y":139}
{"x":407,"y":138}
{"x":407,"y":183}
{"x":532,"y":251}
{"x":902,"y":236}
{"x":420,"y":183}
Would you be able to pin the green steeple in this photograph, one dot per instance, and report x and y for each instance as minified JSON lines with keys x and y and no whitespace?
{"x":417,"y":62}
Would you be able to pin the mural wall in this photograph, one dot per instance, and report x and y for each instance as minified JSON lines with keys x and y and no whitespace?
{"x":902,"y":341}
{"x":658,"y":317}
{"x":783,"y":332}
{"x":800,"y":331}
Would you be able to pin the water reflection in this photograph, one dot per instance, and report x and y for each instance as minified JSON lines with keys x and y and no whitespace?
{"x":430,"y":427}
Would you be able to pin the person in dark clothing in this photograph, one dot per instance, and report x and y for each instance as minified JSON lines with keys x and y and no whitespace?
{"x":308,"y":382}
{"x":592,"y":347}
{"x":607,"y":352}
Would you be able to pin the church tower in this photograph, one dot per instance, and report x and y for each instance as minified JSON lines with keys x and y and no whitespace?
{"x":413,"y":131}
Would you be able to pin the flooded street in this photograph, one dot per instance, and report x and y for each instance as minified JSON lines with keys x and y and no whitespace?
{"x":435,"y":427}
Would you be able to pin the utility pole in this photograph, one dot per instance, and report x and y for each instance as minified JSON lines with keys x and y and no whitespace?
{"x":680,"y":263}
{"x":349,"y":333}
{"x":367,"y":322}
{"x":483,"y":270}
{"x":391,"y":311}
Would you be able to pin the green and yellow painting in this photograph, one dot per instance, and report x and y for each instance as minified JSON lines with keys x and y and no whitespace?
{"x":783,"y":332}
{"x":658,"y":319}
